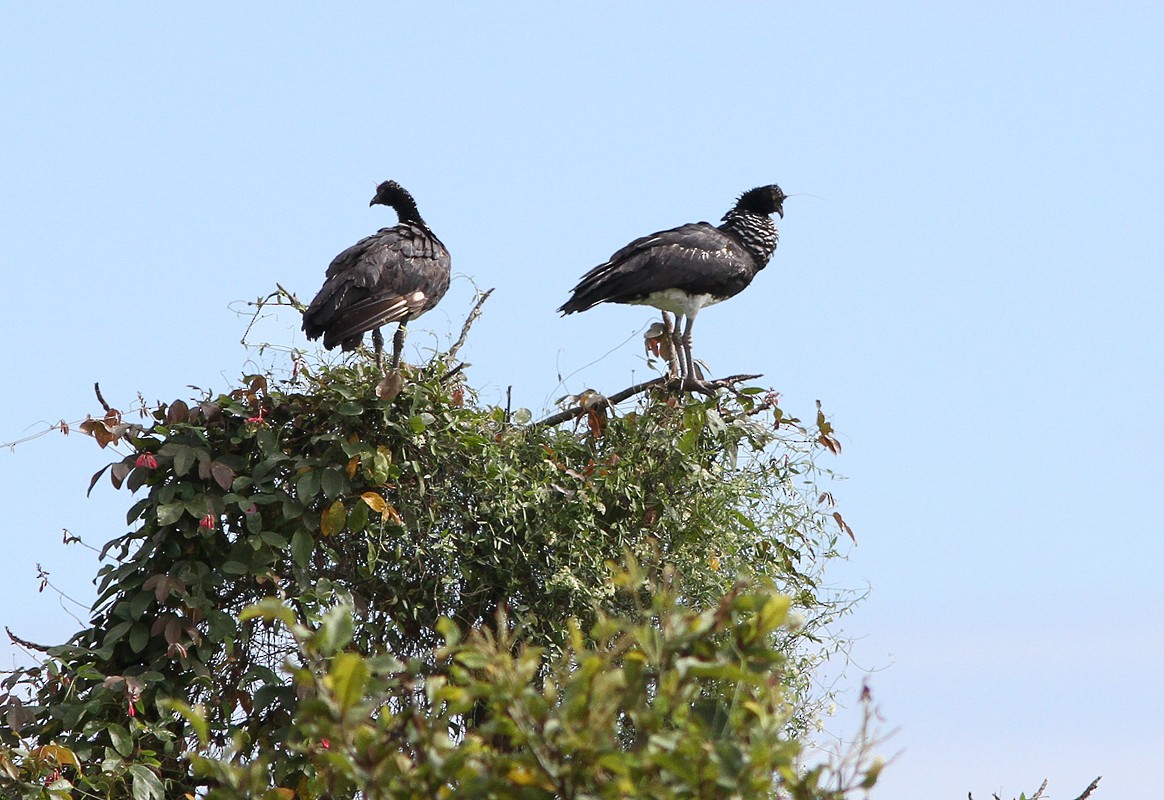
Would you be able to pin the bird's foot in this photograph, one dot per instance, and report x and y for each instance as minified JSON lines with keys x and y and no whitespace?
{"x":390,"y":385}
{"x":698,"y":385}
{"x":685,"y":383}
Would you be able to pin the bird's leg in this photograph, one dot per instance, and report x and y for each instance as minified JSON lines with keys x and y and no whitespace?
{"x":677,"y":346}
{"x":689,"y":373}
{"x":672,"y":352}
{"x":398,"y":345}
{"x":378,"y":346}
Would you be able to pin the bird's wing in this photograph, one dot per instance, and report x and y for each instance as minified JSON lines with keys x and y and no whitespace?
{"x":390,"y":276}
{"x":691,"y":258}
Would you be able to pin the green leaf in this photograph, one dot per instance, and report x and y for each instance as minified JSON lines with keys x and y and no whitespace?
{"x":170,"y":513}
{"x":774,"y":612}
{"x":114,"y":634}
{"x":470,"y":659}
{"x":358,"y":519}
{"x":334,"y":483}
{"x":254,"y":523}
{"x":269,"y":609}
{"x":120,"y":738}
{"x":139,"y":604}
{"x":307,"y":486}
{"x":335,"y":630}
{"x":274,"y":539}
{"x":184,"y":457}
{"x":195,"y":717}
{"x":146,"y":785}
{"x":139,"y":637}
{"x":348,"y":675}
{"x":302,"y":546}
{"x":449,"y":631}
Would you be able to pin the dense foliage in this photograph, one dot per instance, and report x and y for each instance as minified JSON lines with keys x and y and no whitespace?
{"x":427,"y":516}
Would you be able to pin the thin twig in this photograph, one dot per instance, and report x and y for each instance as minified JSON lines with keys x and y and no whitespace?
{"x":706,"y":387}
{"x":1039,"y":793}
{"x":476,"y":312}
{"x":292,"y":300}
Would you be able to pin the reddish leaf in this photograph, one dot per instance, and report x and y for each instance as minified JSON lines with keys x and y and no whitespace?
{"x":120,"y":470}
{"x":596,"y":420}
{"x":223,"y":475}
{"x":96,"y":476}
{"x":177,"y":412}
{"x":844,"y":525}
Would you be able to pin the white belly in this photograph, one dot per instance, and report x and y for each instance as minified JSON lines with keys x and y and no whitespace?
{"x":677,"y":302}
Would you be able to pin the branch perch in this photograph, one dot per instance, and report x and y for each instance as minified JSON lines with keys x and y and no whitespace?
{"x":706,"y":387}
{"x":469,"y":320}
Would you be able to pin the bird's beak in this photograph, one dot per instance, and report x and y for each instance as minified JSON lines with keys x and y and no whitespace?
{"x":372,"y":202}
{"x":780,"y":211}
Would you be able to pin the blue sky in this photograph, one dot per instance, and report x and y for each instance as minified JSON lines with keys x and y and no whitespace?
{"x":969,"y":279}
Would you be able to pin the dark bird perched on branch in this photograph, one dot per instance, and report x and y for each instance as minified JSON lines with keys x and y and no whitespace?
{"x":686,"y":268}
{"x":394,"y":275}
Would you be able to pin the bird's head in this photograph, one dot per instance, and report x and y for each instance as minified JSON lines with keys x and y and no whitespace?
{"x":763,"y":200}
{"x":390,"y":193}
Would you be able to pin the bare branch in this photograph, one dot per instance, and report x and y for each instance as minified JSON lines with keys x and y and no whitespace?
{"x":706,"y":387}
{"x":1091,"y":788}
{"x":24,"y":642}
{"x":469,"y":320}
{"x":1039,"y":794}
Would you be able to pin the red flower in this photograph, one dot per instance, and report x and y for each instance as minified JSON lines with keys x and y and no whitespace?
{"x":147,"y":461}
{"x":259,"y":419}
{"x":325,"y":743}
{"x":208,"y":521}
{"x":132,"y":710}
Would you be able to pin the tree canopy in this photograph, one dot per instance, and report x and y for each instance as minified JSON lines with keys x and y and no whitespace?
{"x":327,"y":589}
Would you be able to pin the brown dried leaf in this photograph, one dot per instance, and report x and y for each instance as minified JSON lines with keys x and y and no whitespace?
{"x":844,"y":525}
{"x":333,"y":519}
{"x":99,"y":430}
{"x":392,"y":514}
{"x":376,"y":502}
